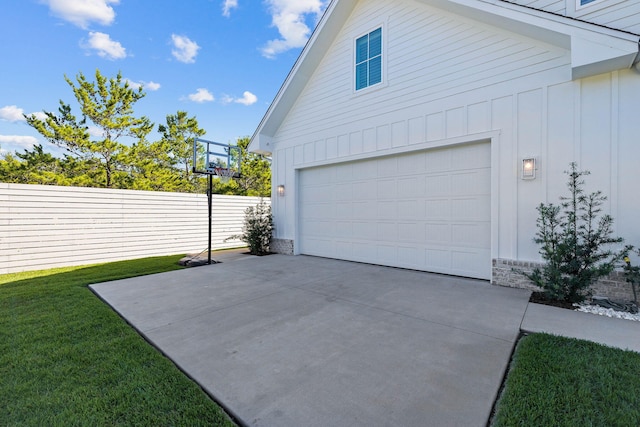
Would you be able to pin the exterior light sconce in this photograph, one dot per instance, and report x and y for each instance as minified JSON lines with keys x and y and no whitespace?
{"x":529,"y":168}
{"x":281,"y":190}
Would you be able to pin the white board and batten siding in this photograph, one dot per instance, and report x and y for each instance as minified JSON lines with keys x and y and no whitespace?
{"x":429,"y":210}
{"x":451,"y":80}
{"x":47,"y":226}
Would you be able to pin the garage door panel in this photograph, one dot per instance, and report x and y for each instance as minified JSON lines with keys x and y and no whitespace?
{"x":438,"y":185}
{"x":471,"y":235}
{"x":427,"y":210}
{"x":365,"y":230}
{"x":363,"y":190}
{"x":319,"y":247}
{"x":387,"y":210}
{"x":387,"y":167}
{"x":387,"y":255}
{"x":344,"y":249}
{"x":411,"y":187}
{"x":411,"y":257}
{"x":411,"y":232}
{"x":438,"y":233}
{"x":470,"y":209}
{"x":365,"y":210}
{"x":413,"y":164}
{"x":411,"y":209}
{"x":343,"y":229}
{"x":344,"y":191}
{"x":465,"y":263}
{"x":344,"y":210}
{"x":387,"y":189}
{"x":438,"y":259}
{"x":437,"y":209}
{"x":438,"y":161}
{"x":388,"y":232}
{"x":363,"y":252}
{"x":470,"y":182}
{"x":363,"y":171}
{"x":472,"y":156}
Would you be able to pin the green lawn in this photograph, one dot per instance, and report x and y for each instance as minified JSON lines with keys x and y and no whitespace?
{"x":556,"y":381}
{"x":67,"y":359}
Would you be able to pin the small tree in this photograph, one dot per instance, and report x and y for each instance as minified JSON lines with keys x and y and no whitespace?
{"x":108,"y":104}
{"x":632,"y":276}
{"x":257,"y":228}
{"x":575,"y":242}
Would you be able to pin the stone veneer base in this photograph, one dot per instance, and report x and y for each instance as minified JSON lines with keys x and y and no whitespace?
{"x":506,"y":272}
{"x":281,"y":246}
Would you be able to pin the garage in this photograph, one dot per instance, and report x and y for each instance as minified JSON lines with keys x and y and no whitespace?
{"x":428,"y":210}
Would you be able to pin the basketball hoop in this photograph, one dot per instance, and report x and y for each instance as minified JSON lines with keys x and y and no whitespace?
{"x":225,"y":174}
{"x":208,"y":156}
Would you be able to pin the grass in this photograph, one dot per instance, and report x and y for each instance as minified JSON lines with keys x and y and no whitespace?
{"x":555,"y":381}
{"x":67,"y":359}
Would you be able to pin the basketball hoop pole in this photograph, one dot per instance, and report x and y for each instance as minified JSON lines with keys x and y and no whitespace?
{"x":210,"y":202}
{"x":218,"y":160}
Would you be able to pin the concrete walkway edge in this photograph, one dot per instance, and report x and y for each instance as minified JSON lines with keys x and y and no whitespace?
{"x":618,"y":333}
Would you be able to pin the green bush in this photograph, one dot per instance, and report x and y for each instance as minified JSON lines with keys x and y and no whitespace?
{"x":632,"y":276}
{"x":575,"y":242}
{"x":257,"y":228}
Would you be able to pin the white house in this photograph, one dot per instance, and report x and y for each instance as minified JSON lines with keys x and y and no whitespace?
{"x":400,"y":135}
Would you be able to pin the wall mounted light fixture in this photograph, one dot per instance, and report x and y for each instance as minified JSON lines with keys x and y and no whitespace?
{"x":529,"y":168}
{"x":281,"y":190}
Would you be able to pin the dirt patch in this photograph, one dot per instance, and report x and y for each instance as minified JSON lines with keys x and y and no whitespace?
{"x":541,"y":298}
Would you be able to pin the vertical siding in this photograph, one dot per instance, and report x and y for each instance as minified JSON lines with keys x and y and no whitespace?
{"x":451,"y":78}
{"x":431,"y":56}
{"x":47,"y":226}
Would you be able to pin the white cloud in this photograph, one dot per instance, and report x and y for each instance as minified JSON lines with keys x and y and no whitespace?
{"x":82,"y":12}
{"x":227,"y":5}
{"x":201,"y":95}
{"x":185,"y":50}
{"x":288,"y":16}
{"x":12,"y":113}
{"x":39,"y":115}
{"x":21,"y":140}
{"x":105,"y":47}
{"x":152,"y":86}
{"x":247,"y":99}
{"x":95,"y":132}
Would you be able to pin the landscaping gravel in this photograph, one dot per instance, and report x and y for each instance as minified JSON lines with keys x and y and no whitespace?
{"x":609,"y":312}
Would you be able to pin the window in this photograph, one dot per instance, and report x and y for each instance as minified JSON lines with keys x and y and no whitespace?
{"x":369,"y":59}
{"x":583,"y":2}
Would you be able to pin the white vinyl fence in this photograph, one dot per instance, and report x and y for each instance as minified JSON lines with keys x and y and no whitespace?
{"x":45,"y":226}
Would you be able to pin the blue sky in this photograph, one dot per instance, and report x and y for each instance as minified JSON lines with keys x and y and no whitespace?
{"x":222,"y":61}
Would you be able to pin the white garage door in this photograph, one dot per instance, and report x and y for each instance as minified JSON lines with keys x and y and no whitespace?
{"x":429,"y":210}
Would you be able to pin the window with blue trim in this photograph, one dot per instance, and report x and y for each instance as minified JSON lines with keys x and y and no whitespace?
{"x":369,"y":59}
{"x":584,"y":2}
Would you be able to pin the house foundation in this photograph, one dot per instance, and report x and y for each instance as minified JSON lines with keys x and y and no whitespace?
{"x":506,"y":272}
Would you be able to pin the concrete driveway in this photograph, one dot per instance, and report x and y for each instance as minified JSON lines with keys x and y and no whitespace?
{"x":306,"y":341}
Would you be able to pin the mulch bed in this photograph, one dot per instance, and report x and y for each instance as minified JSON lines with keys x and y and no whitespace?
{"x":541,"y":298}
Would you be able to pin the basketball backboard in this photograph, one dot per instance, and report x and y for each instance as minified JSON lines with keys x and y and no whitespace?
{"x":216,"y":158}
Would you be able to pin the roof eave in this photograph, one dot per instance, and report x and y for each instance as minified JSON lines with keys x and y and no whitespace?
{"x":325,"y":32}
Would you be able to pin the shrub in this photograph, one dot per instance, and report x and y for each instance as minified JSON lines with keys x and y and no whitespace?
{"x":632,"y":276}
{"x":575,"y":242}
{"x":257,"y":228}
